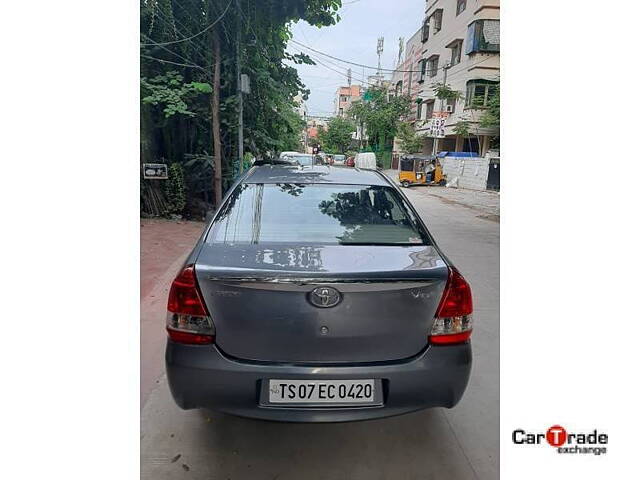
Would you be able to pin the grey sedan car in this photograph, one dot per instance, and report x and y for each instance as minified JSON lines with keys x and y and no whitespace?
{"x":317,"y":294}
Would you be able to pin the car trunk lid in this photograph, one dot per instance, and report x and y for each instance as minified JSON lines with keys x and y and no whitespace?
{"x":261,"y":303}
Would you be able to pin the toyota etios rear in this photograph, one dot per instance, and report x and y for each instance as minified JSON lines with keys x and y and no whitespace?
{"x":317,"y":295}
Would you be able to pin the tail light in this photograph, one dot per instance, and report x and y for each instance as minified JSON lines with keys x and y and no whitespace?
{"x":187,"y":318}
{"x":453,"y":322}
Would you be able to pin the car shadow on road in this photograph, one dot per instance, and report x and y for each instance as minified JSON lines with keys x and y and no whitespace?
{"x":419,"y":445}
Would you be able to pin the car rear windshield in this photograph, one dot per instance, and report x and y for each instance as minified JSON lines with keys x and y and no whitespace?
{"x":316,"y":214}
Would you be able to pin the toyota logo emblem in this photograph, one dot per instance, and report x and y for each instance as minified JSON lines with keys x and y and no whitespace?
{"x":324,"y":297}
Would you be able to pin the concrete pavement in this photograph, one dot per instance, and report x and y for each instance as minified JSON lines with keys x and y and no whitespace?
{"x":461,"y":443}
{"x":164,"y":245}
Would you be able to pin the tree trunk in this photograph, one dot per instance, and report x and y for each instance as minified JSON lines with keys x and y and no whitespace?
{"x":215,"y":121}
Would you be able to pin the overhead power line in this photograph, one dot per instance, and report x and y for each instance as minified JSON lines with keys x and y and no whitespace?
{"x":172,"y":52}
{"x":344,"y":74}
{"x":209,"y":27}
{"x":173,"y":63}
{"x":350,"y":62}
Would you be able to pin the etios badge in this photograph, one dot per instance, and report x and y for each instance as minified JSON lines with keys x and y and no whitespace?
{"x":324,"y":297}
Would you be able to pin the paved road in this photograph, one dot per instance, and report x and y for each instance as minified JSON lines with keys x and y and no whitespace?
{"x":461,"y":443}
{"x":164,"y":245}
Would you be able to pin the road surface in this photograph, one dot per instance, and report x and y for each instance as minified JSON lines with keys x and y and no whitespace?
{"x":461,"y":443}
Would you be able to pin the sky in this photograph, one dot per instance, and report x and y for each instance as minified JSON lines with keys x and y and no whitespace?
{"x":354,"y":38}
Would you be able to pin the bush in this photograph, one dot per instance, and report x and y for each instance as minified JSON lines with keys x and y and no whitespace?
{"x":174,"y":190}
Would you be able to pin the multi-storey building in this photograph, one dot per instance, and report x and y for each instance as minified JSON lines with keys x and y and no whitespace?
{"x":344,"y":97}
{"x":458,"y":44}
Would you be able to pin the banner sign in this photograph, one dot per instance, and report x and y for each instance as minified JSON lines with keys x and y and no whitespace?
{"x":436,"y":125}
{"x":155,"y":171}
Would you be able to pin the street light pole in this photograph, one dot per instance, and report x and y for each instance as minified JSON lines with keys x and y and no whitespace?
{"x":239,"y":85}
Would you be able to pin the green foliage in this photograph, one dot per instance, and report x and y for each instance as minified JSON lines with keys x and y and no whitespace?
{"x":463,"y":128}
{"x":314,"y":141}
{"x":380,"y":113}
{"x":174,"y":190}
{"x":445,"y":92}
{"x":176,"y":99}
{"x":337,"y":137}
{"x":491,"y":116}
{"x":171,"y":93}
{"x":410,"y":140}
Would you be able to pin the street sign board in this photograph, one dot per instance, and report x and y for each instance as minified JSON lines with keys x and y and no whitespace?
{"x":155,"y":171}
{"x":245,"y":83}
{"x":436,"y":126}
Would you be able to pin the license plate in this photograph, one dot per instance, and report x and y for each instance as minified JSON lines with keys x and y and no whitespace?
{"x":324,"y":392}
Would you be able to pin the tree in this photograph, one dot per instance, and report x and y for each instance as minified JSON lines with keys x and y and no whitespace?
{"x":380,"y":113}
{"x":174,"y":188}
{"x":490,"y":118}
{"x":338,"y":135}
{"x":181,"y":42}
{"x":409,"y":139}
{"x":443,"y":91}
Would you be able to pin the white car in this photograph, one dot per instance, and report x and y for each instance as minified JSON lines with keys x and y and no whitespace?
{"x":288,"y":154}
{"x":366,"y":160}
{"x":339,"y":159}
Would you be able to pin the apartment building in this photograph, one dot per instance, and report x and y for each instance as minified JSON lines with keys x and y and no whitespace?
{"x":459,"y":39}
{"x":344,"y":97}
{"x":403,"y":82}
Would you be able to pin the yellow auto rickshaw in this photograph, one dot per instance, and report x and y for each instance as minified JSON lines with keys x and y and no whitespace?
{"x":420,"y":170}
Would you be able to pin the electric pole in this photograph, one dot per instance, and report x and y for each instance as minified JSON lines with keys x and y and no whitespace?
{"x":441,"y":113}
{"x":379,"y":50}
{"x":239,"y":85}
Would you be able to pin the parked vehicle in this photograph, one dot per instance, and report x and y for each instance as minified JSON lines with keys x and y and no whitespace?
{"x":366,"y":160}
{"x":339,"y":159}
{"x":286,"y":154}
{"x":317,"y":296}
{"x":415,"y":169}
{"x":303,"y":159}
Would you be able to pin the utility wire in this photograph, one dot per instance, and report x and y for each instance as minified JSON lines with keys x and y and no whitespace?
{"x":319,"y":62}
{"x":195,"y":35}
{"x":172,"y":52}
{"x":369,"y":66}
{"x":198,"y":46}
{"x":174,"y":63}
{"x":350,"y":62}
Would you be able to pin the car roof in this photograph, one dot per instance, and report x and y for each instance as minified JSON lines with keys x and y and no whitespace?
{"x":315,"y":174}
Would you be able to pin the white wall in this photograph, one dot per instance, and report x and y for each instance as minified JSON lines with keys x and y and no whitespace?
{"x":472,"y":172}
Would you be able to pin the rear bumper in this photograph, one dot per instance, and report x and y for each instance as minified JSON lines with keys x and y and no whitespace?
{"x":203,"y":377}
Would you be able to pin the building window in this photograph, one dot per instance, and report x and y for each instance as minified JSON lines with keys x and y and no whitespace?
{"x":399,"y":88}
{"x":432,"y":65}
{"x":483,"y":36}
{"x":461,"y":6}
{"x":479,"y":92}
{"x":343,"y":98}
{"x":341,"y":112}
{"x":425,"y":30}
{"x":423,"y":70}
{"x":456,"y":51}
{"x":429,"y":109}
{"x":437,"y":20}
{"x":419,"y":114}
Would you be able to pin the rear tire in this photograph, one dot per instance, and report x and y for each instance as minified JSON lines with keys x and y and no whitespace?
{"x":405,"y":184}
